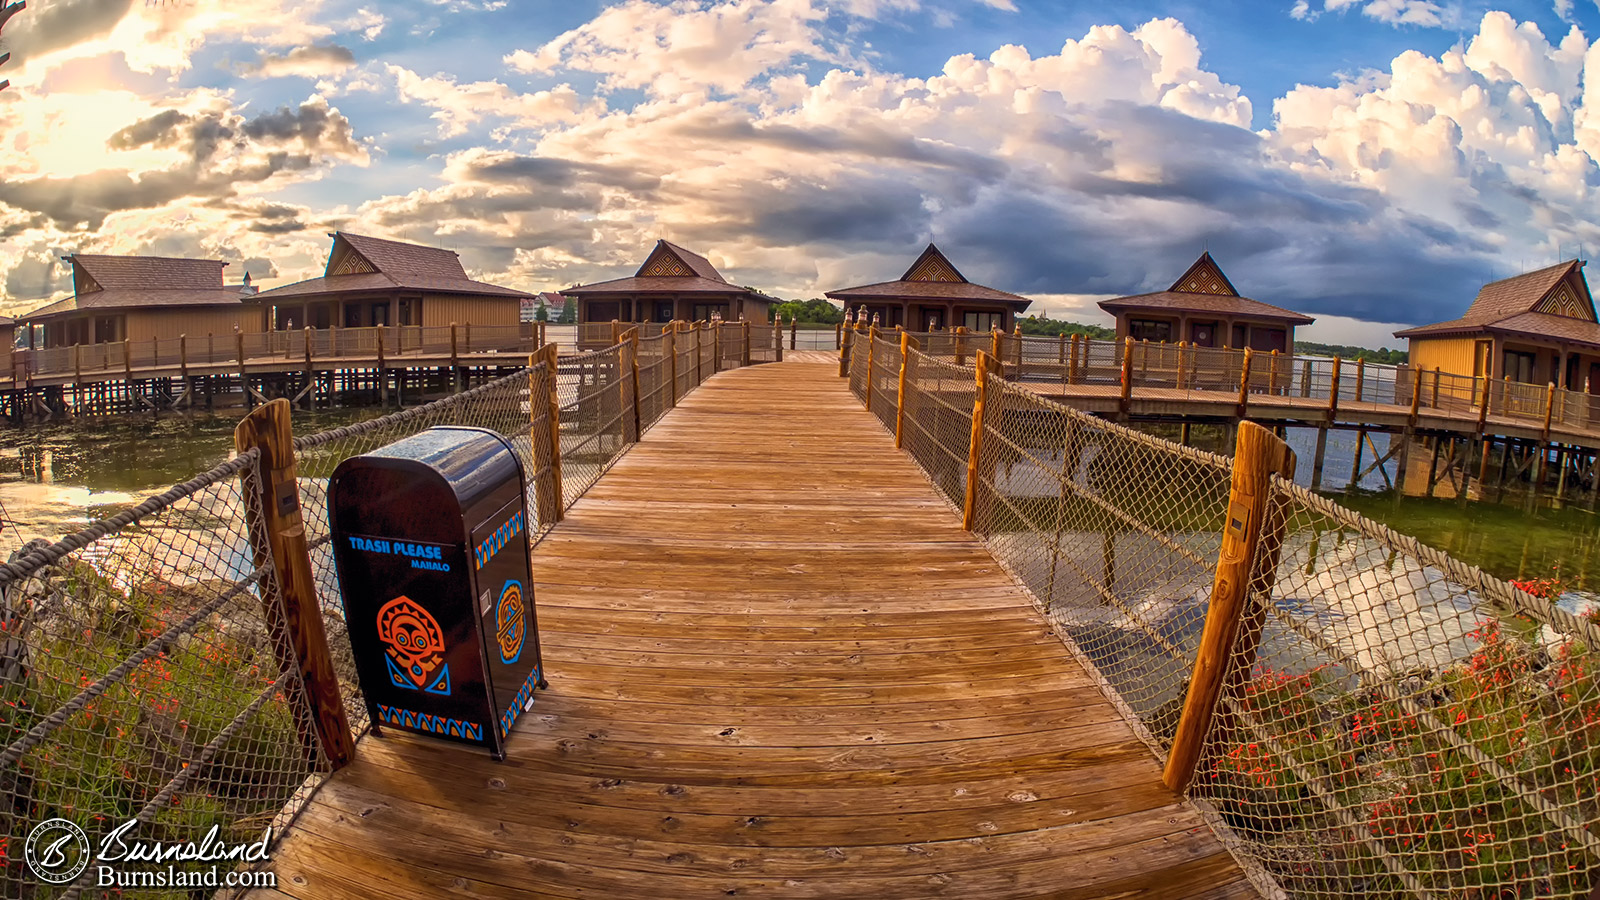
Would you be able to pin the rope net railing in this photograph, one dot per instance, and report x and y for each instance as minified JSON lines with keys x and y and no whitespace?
{"x":146,"y":666}
{"x":1280,"y":380}
{"x":144,"y":677}
{"x":1399,"y":724}
{"x":1390,"y":722}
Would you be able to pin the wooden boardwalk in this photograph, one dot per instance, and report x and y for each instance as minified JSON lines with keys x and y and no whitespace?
{"x":778,"y":667}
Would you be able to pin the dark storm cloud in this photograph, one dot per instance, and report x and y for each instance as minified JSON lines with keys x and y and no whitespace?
{"x":313,"y":123}
{"x":560,"y":173}
{"x":868,"y":141}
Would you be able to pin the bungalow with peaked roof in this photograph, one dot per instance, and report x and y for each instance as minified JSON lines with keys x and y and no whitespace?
{"x":371,"y":281}
{"x":933,"y":294}
{"x":1204,"y":308}
{"x":673,"y":283}
{"x":1535,"y":328}
{"x":139,"y":298}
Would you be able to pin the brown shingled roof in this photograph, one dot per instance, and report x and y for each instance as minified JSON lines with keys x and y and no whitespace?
{"x":143,"y":272}
{"x":1498,"y":302}
{"x":931,"y":277}
{"x":361,"y":264}
{"x":697,"y":263}
{"x":1205,"y":303}
{"x":674,"y":271}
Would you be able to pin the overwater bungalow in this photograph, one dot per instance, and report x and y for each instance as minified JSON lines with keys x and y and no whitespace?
{"x":1535,"y":328}
{"x":139,"y":298}
{"x":1204,"y":308}
{"x":672,"y":283}
{"x":372,"y":281}
{"x":933,"y":294}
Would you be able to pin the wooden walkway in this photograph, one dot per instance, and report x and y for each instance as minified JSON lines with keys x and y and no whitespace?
{"x":778,"y":667}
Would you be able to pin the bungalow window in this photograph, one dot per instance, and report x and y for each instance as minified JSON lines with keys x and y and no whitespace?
{"x":1150,"y":330}
{"x":108,"y":329}
{"x":984,"y":321}
{"x":1519,"y":366}
{"x":663,"y":311}
{"x":410,"y":310}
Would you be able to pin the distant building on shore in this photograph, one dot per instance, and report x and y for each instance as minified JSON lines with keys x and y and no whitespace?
{"x":1204,"y":308}
{"x":139,"y":298}
{"x":933,"y":292}
{"x":672,"y":283}
{"x":371,"y":281}
{"x":1536,"y":328}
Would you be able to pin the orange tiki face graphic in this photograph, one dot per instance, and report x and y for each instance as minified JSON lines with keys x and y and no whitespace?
{"x":415,"y":646}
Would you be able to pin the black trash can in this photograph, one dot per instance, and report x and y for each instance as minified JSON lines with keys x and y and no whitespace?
{"x":430,"y":538}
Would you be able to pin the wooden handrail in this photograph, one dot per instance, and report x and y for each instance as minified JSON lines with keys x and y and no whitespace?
{"x":969,"y":509}
{"x":907,"y":344}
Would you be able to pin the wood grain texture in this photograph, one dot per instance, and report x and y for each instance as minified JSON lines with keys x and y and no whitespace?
{"x":778,"y":668}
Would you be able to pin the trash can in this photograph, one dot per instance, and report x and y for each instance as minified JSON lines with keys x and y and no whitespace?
{"x":430,"y":540}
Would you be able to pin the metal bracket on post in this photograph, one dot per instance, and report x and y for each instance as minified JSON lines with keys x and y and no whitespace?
{"x":289,"y":598}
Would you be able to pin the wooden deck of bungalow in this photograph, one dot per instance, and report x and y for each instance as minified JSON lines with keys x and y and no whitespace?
{"x":778,"y":667}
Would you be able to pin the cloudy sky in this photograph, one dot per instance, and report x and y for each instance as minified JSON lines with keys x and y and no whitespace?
{"x":1370,"y":162}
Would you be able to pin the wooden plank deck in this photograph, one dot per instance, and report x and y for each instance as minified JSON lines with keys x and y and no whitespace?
{"x":778,"y":667}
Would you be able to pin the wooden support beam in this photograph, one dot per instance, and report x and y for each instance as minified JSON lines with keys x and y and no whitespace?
{"x":1361,"y":374}
{"x":1483,"y":409}
{"x":961,"y":342}
{"x":794,"y":331}
{"x":969,"y":510}
{"x":744,"y":357}
{"x":289,"y":600}
{"x":1549,"y":409}
{"x":1355,"y":467}
{"x":1246,"y":564}
{"x":1072,"y":362}
{"x":1321,"y":454}
{"x":844,"y":353}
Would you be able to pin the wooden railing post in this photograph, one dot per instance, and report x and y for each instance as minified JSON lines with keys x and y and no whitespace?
{"x":1061,"y":350}
{"x":794,"y":331}
{"x":127,"y":359}
{"x":984,"y":365}
{"x":699,"y":368}
{"x":616,"y":332}
{"x":1017,"y":336}
{"x":293,"y":616}
{"x":1333,"y":390}
{"x":744,"y":357}
{"x":1549,"y":408}
{"x":455,"y":354}
{"x":961,"y":354}
{"x":546,"y":444}
{"x":844,"y":351}
{"x":1243,"y":406}
{"x":311,"y":334}
{"x":244,"y":380}
{"x":1072,"y":361}
{"x":838,"y":336}
{"x":997,"y":346}
{"x":872,"y":341}
{"x":1272,"y":374}
{"x":1483,"y":409}
{"x":183,"y":359}
{"x":716,"y":347}
{"x":1361,"y":374}
{"x":633,"y":355}
{"x":1125,"y":400}
{"x":1247,"y":562}
{"x":777,"y":339}
{"x":907,"y":344}
{"x":670,"y":344}
{"x":383,"y":370}
{"x":1416,"y":394}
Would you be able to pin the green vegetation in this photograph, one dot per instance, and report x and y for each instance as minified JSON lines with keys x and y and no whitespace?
{"x":815,"y":311}
{"x":1385,"y":355}
{"x":569,"y":313}
{"x":109,"y":761}
{"x":1038,"y":325}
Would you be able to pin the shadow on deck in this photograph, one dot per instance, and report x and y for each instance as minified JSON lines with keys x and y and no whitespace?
{"x":778,"y":667}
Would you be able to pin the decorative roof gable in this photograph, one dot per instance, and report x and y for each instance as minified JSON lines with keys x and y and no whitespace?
{"x":345,"y":260}
{"x":1205,"y":277}
{"x":1568,"y":297}
{"x":668,"y":260}
{"x":933,"y":266}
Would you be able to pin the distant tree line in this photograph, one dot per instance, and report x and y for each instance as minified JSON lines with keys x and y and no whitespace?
{"x":1039,"y":325}
{"x":1384,"y":356}
{"x":815,"y":311}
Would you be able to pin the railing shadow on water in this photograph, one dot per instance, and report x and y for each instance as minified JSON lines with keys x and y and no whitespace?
{"x":1359,"y":715}
{"x":156,"y":666}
